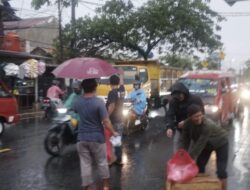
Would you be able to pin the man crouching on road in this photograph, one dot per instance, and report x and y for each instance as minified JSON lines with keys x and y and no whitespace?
{"x":206,"y":137}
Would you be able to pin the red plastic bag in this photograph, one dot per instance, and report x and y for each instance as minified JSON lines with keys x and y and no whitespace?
{"x":181,"y":167}
{"x":109,"y":147}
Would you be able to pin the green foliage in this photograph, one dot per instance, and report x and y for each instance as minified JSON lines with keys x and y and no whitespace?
{"x":7,"y":12}
{"x":37,"y":4}
{"x":213,"y":61}
{"x":246,"y":71}
{"x":181,"y":61}
{"x":120,"y":30}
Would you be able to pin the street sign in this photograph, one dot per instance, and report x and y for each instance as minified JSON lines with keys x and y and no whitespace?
{"x":204,"y":64}
{"x":231,"y":2}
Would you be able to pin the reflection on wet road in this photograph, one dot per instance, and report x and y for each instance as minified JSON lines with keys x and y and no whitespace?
{"x":27,"y":166}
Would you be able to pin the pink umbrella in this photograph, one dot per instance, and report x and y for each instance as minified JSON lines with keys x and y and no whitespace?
{"x":84,"y":68}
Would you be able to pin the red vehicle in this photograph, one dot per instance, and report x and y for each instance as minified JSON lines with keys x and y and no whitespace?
{"x":8,"y":107}
{"x":218,"y":91}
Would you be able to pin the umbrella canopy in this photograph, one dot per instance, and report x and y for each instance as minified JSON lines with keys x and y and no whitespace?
{"x":84,"y":68}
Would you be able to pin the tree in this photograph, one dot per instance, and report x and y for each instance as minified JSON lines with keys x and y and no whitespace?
{"x":7,"y":13}
{"x":246,"y":72}
{"x":120,"y":28}
{"x":181,"y":61}
{"x":213,"y":62}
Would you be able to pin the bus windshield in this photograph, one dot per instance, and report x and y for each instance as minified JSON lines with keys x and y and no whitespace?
{"x":202,"y":87}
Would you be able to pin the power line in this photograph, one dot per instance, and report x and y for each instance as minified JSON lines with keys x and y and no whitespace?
{"x":91,"y":3}
{"x":87,"y":7}
{"x":234,"y":14}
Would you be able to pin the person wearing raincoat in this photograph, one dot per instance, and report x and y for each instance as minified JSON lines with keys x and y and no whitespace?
{"x":77,"y":92}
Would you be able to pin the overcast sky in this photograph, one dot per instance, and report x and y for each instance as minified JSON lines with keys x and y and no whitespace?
{"x":235,"y":30}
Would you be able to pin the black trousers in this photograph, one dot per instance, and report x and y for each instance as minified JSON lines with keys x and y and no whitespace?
{"x":221,"y":159}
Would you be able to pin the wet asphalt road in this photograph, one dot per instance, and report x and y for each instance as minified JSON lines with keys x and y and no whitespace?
{"x":27,"y":166}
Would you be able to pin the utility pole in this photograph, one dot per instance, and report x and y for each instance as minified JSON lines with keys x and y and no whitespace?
{"x":73,"y":28}
{"x":60,"y":30}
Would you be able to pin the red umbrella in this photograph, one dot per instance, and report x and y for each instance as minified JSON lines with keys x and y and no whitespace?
{"x":84,"y":68}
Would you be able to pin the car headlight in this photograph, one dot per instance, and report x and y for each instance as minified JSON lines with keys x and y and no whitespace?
{"x":211,"y":108}
{"x":62,"y":110}
{"x":245,"y":94}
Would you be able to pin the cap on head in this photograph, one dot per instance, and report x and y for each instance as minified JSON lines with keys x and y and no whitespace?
{"x":193,"y":109}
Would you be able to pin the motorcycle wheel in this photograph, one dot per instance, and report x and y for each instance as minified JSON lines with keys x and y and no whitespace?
{"x":53,"y":143}
{"x":49,"y":114}
{"x":2,"y":127}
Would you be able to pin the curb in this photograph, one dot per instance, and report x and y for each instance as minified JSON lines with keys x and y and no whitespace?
{"x":30,"y":115}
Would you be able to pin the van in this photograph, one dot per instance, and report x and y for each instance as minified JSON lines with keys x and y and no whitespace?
{"x":8,"y":107}
{"x":217,"y":89}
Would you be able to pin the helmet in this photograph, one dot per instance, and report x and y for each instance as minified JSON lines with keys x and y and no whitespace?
{"x":137,"y":84}
{"x":55,"y":82}
{"x":76,"y":85}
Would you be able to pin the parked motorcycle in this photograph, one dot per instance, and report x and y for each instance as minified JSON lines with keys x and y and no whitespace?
{"x":140,"y":123}
{"x":61,"y":133}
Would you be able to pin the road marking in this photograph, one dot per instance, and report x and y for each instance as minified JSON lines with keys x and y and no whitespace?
{"x":5,"y":150}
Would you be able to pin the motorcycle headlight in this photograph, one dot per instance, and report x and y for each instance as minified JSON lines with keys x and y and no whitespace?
{"x":211,"y":108}
{"x":125,"y":112}
{"x":62,"y":110}
{"x":245,"y":94}
{"x":153,"y":114}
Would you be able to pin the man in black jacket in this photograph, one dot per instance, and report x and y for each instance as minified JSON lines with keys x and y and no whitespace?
{"x":177,"y":111}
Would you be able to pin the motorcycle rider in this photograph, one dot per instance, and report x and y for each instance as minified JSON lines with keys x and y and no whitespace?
{"x":54,"y":92}
{"x":77,"y":92}
{"x":139,"y":101}
{"x":177,"y":111}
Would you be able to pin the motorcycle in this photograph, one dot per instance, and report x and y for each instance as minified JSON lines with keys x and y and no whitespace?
{"x":61,"y":133}
{"x":50,"y":107}
{"x":141,"y":122}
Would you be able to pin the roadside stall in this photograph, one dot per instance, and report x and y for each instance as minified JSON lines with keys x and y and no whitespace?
{"x":20,"y":71}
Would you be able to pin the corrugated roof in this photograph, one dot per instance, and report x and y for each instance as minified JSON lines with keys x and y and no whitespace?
{"x":27,"y":23}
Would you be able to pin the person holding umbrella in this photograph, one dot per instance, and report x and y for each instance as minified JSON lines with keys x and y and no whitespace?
{"x":91,"y":141}
{"x":93,"y":116}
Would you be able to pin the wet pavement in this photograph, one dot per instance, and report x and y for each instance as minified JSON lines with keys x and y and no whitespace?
{"x":27,"y":165}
